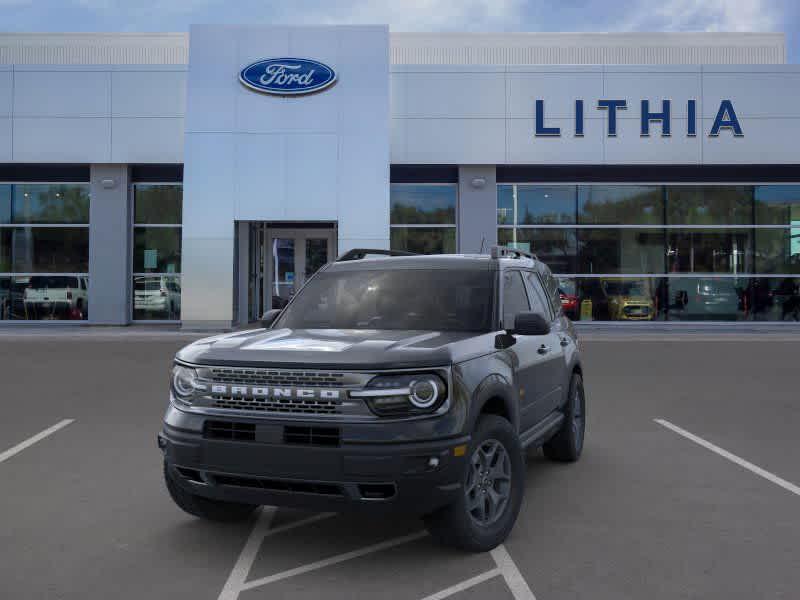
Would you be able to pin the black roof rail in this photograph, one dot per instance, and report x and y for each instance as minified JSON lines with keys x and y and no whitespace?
{"x":359,"y":253}
{"x":505,"y":252}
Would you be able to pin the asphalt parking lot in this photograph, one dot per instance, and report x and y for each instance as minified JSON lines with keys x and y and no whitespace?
{"x":702,"y":503}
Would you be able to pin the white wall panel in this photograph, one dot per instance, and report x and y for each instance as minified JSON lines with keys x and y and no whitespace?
{"x":6,"y":94}
{"x":148,"y":93}
{"x":524,"y":147}
{"x":209,"y":177}
{"x":5,"y":139}
{"x":311,"y":170}
{"x":363,"y":193}
{"x":455,"y":95}
{"x":455,"y":141}
{"x":62,"y":93}
{"x":79,"y":140}
{"x":210,"y":89}
{"x":262,"y":197}
{"x":147,"y":140}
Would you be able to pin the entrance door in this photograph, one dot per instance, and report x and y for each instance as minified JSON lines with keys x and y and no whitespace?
{"x":291,"y":256}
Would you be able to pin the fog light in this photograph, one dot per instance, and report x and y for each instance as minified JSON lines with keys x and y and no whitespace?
{"x":433,"y":462}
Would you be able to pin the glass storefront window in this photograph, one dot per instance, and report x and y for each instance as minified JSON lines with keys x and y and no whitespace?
{"x":44,"y":204}
{"x":423,"y":204}
{"x":777,"y":205}
{"x":778,"y":250}
{"x":620,"y":204}
{"x":776,"y":299}
{"x":535,"y":204}
{"x":432,"y":205}
{"x":158,"y":204}
{"x":708,"y":299}
{"x":709,"y":205}
{"x":157,"y":214}
{"x":156,"y":297}
{"x":710,"y":251}
{"x":556,"y":247}
{"x":44,"y":251}
{"x":424,"y":240}
{"x":620,"y":251}
{"x":157,"y":250}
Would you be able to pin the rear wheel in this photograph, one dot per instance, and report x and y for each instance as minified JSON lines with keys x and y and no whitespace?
{"x":493,"y":484}
{"x":567,"y":444}
{"x":205,"y":508}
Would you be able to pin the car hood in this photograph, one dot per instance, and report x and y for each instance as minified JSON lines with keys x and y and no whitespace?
{"x":337,"y":348}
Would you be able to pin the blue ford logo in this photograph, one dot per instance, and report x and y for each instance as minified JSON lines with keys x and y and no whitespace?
{"x":287,"y":76}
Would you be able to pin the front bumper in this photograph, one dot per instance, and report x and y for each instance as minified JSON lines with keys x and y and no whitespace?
{"x":410,"y":477}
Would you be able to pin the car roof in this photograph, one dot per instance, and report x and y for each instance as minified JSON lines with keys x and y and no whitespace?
{"x":432,"y":261}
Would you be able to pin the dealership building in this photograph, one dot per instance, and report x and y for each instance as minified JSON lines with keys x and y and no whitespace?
{"x":200,"y":178}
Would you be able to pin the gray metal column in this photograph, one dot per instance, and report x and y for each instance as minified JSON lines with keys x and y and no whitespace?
{"x":243,"y":254}
{"x":109,"y":243}
{"x":477,"y":208}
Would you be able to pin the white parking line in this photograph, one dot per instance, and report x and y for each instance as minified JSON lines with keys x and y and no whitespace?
{"x":4,"y":456}
{"x":247,"y":556}
{"x":237,"y":580}
{"x":464,"y":585}
{"x":514,"y":579}
{"x":731,"y":457}
{"x":333,"y":560}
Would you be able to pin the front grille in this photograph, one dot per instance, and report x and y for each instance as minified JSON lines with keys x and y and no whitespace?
{"x":308,"y":406}
{"x":268,"y":377}
{"x":637,"y":310}
{"x":227,"y":430}
{"x":279,"y":485}
{"x":311,"y":436}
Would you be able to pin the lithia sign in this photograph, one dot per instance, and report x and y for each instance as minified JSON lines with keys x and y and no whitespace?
{"x":726,"y":119}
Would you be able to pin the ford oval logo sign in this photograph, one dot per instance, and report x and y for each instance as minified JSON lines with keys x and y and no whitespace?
{"x":287,"y":76}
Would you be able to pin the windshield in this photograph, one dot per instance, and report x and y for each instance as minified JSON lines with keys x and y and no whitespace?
{"x":427,"y":299}
{"x":625,"y":288}
{"x":39,"y":282}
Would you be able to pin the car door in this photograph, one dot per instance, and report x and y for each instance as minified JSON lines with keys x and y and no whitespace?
{"x":529,"y":363}
{"x":552,"y":349}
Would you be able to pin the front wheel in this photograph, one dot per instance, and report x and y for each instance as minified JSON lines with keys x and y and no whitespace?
{"x":493,"y":486}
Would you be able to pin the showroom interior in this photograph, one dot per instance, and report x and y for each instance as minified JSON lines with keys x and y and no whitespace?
{"x":139,"y":196}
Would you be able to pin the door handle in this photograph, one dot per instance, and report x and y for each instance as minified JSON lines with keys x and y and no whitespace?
{"x":543,"y":349}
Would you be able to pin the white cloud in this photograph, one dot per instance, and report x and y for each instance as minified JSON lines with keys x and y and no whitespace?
{"x":416,"y":15}
{"x":705,"y":15}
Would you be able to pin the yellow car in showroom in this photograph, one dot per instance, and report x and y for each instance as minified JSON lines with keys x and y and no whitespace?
{"x":628,"y":299}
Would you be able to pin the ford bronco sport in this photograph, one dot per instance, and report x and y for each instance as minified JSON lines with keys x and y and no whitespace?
{"x":405,"y":383}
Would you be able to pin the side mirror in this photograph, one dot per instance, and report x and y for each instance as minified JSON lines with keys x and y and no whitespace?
{"x":269,"y":317}
{"x":530,"y":323}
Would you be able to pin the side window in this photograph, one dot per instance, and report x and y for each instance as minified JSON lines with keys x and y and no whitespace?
{"x":551,"y":287}
{"x":515,"y":299}
{"x":539,"y":302}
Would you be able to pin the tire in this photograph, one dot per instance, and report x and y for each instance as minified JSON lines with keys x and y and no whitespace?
{"x":459,"y":524}
{"x":205,"y":508}
{"x":567,"y":444}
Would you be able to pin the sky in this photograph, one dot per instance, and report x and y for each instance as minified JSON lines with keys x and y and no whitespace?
{"x":414,"y":15}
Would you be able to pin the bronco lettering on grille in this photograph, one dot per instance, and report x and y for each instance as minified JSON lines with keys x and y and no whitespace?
{"x":274,"y":392}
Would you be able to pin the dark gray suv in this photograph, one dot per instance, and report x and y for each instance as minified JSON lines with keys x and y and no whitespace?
{"x":388,"y":383}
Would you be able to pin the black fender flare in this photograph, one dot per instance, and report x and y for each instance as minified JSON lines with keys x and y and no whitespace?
{"x":494,"y":386}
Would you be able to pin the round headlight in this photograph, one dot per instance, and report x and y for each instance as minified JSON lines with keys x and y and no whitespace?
{"x":184,"y":381}
{"x":424,"y":393}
